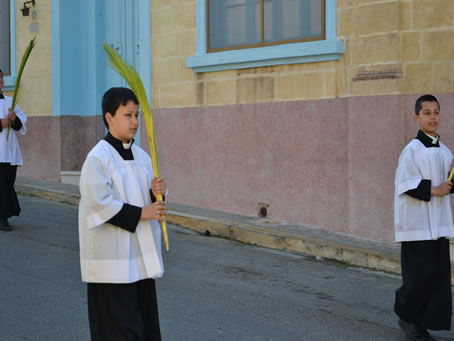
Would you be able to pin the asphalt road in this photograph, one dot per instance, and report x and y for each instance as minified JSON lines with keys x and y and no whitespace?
{"x":213,"y":289}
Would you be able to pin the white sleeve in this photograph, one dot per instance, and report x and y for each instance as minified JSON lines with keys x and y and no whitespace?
{"x":98,"y":199}
{"x":23,"y":119}
{"x":408,"y":176}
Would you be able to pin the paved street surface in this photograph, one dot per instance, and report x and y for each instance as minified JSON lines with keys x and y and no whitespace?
{"x":213,"y":289}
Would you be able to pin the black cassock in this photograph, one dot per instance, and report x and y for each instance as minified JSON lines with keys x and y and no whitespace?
{"x":9,"y":204}
{"x":425,"y":296}
{"x":123,"y":312}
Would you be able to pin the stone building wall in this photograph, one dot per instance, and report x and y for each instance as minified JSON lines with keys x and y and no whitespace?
{"x":391,"y":47}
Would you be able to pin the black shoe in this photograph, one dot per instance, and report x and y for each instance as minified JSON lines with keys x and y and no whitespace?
{"x":414,"y":332}
{"x":426,"y":334}
{"x":4,"y":225}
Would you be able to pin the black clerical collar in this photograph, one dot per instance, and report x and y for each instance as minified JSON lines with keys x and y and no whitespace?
{"x":1,"y":95}
{"x":126,"y":153}
{"x":426,"y":140}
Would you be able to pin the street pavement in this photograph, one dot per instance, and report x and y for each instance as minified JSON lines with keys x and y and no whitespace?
{"x":213,"y":288}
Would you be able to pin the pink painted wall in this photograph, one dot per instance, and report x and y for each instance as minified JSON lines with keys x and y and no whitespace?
{"x":55,"y":144}
{"x":327,"y":163}
{"x":41,"y":148}
{"x":79,"y":135}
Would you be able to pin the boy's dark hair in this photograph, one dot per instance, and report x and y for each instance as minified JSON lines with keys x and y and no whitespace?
{"x":113,"y":98}
{"x":422,"y":99}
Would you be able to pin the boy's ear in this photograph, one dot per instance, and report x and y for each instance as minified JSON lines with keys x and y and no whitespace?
{"x":109,"y":118}
{"x":416,"y":118}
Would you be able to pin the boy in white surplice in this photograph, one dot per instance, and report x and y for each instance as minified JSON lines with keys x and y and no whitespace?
{"x":119,"y":231}
{"x":423,"y":223}
{"x":10,"y":156}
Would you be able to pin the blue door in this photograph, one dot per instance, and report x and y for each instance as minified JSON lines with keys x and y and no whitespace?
{"x":127,"y":29}
{"x":79,"y":65}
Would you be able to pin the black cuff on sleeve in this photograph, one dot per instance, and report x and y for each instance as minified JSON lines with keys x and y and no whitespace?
{"x":1,"y":128}
{"x":153,"y":198}
{"x":422,"y":192}
{"x":128,"y":218}
{"x":17,"y":124}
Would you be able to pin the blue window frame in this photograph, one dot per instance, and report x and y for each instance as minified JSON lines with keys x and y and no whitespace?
{"x":293,"y":53}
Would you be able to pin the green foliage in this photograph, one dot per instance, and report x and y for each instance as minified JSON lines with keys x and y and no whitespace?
{"x":130,"y":75}
{"x":27,"y":52}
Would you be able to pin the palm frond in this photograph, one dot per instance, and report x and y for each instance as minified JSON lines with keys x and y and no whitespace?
{"x":25,"y":56}
{"x":131,"y":76}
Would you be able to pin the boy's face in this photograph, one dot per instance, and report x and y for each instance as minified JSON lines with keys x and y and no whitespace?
{"x":125,"y":123}
{"x":429,"y":118}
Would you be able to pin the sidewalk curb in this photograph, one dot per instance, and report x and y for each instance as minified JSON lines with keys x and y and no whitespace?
{"x":255,"y":235}
{"x":283,"y":241}
{"x":63,"y":197}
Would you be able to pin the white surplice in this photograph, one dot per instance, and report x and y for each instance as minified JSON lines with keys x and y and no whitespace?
{"x":110,"y":254}
{"x":417,"y":219}
{"x":9,"y":148}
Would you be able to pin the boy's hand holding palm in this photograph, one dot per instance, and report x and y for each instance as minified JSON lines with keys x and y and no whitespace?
{"x":157,"y":210}
{"x":11,"y":117}
{"x":444,"y":188}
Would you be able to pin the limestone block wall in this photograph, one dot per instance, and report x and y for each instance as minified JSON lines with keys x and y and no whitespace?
{"x":396,"y":46}
{"x":35,"y":94}
{"x":173,"y":39}
{"x":41,"y":145}
{"x":174,"y":85}
{"x":391,"y":47}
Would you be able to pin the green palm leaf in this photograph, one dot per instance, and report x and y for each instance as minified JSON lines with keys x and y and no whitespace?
{"x":27,"y":52}
{"x":130,"y":75}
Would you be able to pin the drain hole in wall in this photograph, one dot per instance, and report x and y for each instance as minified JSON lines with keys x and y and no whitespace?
{"x":263,"y":210}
